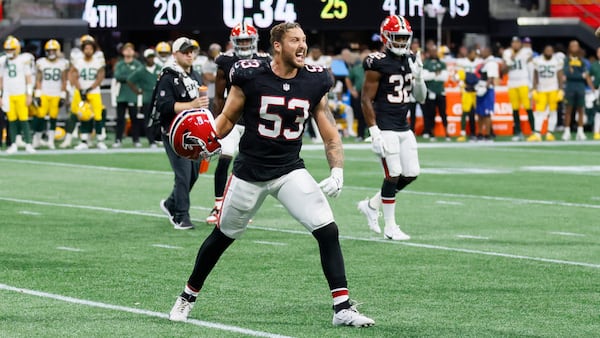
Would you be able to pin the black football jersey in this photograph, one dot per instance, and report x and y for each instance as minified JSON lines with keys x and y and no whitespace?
{"x":226,"y":61}
{"x":274,"y":113}
{"x":393,"y":95}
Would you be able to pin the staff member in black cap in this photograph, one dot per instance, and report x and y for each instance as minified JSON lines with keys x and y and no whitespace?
{"x":176,"y":91}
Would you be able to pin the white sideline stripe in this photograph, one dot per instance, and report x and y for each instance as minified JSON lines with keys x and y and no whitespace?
{"x":494,"y":198}
{"x":560,"y":233}
{"x":66,"y":248}
{"x":503,"y":199}
{"x":444,"y":248}
{"x":166,"y":246}
{"x":148,"y":313}
{"x":85,"y":166}
{"x":417,"y":245}
{"x":449,"y":202}
{"x":270,"y":243}
{"x":471,"y":237}
{"x":31,"y":213}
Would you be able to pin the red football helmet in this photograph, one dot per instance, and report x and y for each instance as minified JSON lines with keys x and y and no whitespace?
{"x":192,"y":134}
{"x":396,"y":34}
{"x":244,"y":38}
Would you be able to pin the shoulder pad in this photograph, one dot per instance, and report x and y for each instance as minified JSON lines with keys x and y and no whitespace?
{"x":371,"y":62}
{"x":225,"y":58}
{"x":262,"y":56}
{"x":321,"y":74}
{"x":247,"y":69}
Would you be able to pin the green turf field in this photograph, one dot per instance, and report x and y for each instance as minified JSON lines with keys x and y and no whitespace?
{"x":505,"y":242}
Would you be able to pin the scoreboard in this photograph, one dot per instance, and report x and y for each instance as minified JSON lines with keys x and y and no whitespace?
{"x":214,"y":15}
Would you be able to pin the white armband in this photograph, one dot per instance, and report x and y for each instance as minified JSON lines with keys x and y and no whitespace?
{"x":63,"y":94}
{"x":29,"y":89}
{"x":37,"y":93}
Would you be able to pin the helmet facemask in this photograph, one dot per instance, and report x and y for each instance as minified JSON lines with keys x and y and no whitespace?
{"x":244,"y":46}
{"x":398,"y":43}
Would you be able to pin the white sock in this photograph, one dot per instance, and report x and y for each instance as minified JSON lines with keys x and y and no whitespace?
{"x":189,"y":291}
{"x":579,"y":130}
{"x":84,"y":137}
{"x":539,"y":117}
{"x":218,"y":202}
{"x":389,"y":210}
{"x":339,"y":295}
{"x":375,"y":201}
{"x":552,"y":121}
{"x":597,"y":122}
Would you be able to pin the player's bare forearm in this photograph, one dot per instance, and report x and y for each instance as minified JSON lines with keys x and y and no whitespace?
{"x":334,"y":152}
{"x":369,"y":91}
{"x":328,"y":130}
{"x":232,"y":111}
{"x":99,"y":79}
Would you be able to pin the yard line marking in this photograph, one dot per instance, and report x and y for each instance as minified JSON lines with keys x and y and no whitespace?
{"x":166,"y":246}
{"x":444,"y":248}
{"x":471,"y":237}
{"x":270,"y":243}
{"x":449,"y":202}
{"x":66,"y":248}
{"x":31,"y":213}
{"x":201,"y":208}
{"x":503,"y":199}
{"x":566,"y":234}
{"x":425,"y":193}
{"x":218,"y":326}
{"x":417,"y":245}
{"x":86,"y":166}
{"x":596,"y":198}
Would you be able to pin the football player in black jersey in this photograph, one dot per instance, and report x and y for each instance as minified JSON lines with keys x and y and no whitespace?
{"x":275,"y":100}
{"x":244,"y":38}
{"x":390,"y":78}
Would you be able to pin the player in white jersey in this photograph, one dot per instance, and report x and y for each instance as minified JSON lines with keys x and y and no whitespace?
{"x":547,"y":92}
{"x":467,"y":67}
{"x":516,"y":59}
{"x":50,"y":91}
{"x":199,"y":60}
{"x":86,"y":75}
{"x":16,"y":88}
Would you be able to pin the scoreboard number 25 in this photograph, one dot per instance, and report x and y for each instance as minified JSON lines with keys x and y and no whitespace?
{"x":334,"y":9}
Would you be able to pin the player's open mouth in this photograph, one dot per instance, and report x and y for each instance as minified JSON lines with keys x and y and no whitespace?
{"x":300,"y":56}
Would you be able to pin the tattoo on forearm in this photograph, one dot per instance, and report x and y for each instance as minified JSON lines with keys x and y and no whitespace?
{"x":334,"y":153}
{"x":329,"y":115}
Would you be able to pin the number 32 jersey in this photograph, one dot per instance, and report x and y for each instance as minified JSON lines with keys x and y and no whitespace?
{"x":51,"y":73}
{"x":393,"y":95}
{"x":274,"y":113}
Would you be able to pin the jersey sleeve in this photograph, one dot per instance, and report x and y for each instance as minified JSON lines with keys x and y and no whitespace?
{"x":245,"y":70}
{"x":370,"y":62}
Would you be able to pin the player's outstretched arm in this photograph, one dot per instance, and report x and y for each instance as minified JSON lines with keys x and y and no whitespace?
{"x":232,"y":111}
{"x":332,"y":185}
{"x":328,"y":130}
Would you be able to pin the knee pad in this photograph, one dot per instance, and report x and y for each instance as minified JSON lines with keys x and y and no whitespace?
{"x":404,"y":181}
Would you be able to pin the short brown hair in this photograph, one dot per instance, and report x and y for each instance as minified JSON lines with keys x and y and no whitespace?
{"x":279,"y":30}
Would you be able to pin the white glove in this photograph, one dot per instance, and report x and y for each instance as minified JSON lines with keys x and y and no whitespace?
{"x":416,"y":67}
{"x":332,"y":185}
{"x":377,"y":144}
{"x":480,"y":90}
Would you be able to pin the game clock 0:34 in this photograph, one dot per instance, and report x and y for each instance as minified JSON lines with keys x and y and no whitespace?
{"x":311,"y":14}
